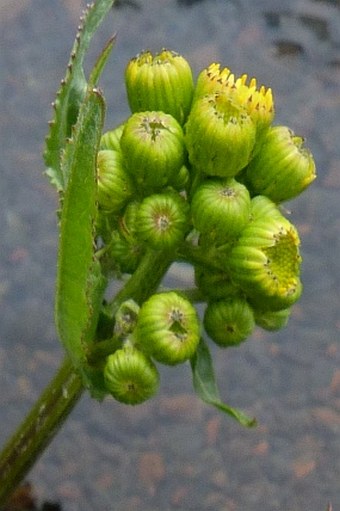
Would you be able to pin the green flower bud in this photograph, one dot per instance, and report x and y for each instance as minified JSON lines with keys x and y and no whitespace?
{"x":181,"y":179}
{"x":162,"y":220}
{"x":272,"y":320}
{"x":220,"y":136}
{"x":130,"y":376}
{"x":160,"y":82}
{"x":262,"y":207}
{"x":127,"y":224}
{"x":125,"y":248}
{"x":215,"y":285}
{"x":282,"y":168}
{"x":229,"y":322}
{"x":265,"y":262}
{"x":153,"y":150}
{"x":168,"y":328}
{"x":124,"y":254}
{"x":114,"y":184}
{"x":111,"y":139}
{"x":221,"y":208}
{"x":126,"y":318}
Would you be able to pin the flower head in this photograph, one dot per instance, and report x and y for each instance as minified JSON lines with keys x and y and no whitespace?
{"x":229,"y":321}
{"x":162,"y":220}
{"x":168,"y":328}
{"x":152,"y":146}
{"x":220,"y":208}
{"x":265,"y":262}
{"x":283,"y":167}
{"x":257,"y":101}
{"x":114,"y":184}
{"x":130,"y":376}
{"x":160,"y":82}
{"x":219,"y":135}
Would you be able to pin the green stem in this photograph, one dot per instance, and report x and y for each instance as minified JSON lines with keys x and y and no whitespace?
{"x":196,"y":255}
{"x":38,"y":428}
{"x":98,"y":351}
{"x":148,"y":275}
{"x":63,"y":392}
{"x":194,"y":295}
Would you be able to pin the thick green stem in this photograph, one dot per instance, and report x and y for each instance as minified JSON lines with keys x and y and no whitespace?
{"x":60,"y":396}
{"x":38,"y":428}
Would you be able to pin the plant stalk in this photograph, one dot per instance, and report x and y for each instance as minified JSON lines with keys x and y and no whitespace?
{"x":60,"y":396}
{"x":38,"y":428}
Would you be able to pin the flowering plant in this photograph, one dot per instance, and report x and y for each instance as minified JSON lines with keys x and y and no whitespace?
{"x":196,"y":174}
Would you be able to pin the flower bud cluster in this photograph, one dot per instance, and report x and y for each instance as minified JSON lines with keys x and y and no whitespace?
{"x":199,"y":171}
{"x":166,"y":329}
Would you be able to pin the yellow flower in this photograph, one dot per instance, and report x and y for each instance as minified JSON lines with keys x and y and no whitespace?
{"x":257,"y":101}
{"x":211,"y":79}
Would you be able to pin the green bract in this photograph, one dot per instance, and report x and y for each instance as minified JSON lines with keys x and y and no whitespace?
{"x":130,"y":376}
{"x":168,"y":328}
{"x":265,"y":262}
{"x":272,"y":320}
{"x":283,"y":167}
{"x":221,"y":208}
{"x":152,"y":144}
{"x":229,"y":322}
{"x":160,"y":82}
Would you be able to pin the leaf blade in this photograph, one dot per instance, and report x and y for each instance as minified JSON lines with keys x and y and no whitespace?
{"x":206,"y":388}
{"x":71,"y":93}
{"x":80,"y":284}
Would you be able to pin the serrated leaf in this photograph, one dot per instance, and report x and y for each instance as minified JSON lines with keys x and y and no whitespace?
{"x":205,"y":385}
{"x":80,"y":284}
{"x":71,"y":93}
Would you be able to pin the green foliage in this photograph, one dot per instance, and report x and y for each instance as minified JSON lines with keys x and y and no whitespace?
{"x":206,"y":388}
{"x":72,"y":92}
{"x":80,"y":283}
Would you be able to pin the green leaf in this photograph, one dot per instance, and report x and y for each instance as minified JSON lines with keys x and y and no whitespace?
{"x":101,"y":62}
{"x":71,"y":93}
{"x":80,"y":284}
{"x":206,"y":388}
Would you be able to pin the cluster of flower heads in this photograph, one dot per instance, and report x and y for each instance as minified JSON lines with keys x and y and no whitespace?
{"x":199,"y":170}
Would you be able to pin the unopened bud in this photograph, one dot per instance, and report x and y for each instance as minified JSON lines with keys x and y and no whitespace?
{"x":160,"y":82}
{"x":282,"y":168}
